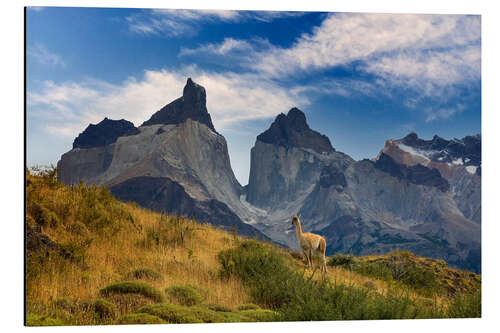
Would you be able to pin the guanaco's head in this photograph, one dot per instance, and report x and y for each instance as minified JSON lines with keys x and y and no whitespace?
{"x":295,"y":220}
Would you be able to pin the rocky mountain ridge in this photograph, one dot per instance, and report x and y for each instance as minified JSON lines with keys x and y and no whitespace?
{"x":414,"y":195}
{"x":175,"y":159}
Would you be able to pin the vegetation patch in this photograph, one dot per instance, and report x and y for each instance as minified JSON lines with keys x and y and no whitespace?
{"x":133,"y":287}
{"x":140,"y":319}
{"x":127,"y":303}
{"x":465,"y":306}
{"x":424,"y":275}
{"x":105,"y":309}
{"x":38,"y":320}
{"x":178,"y":314}
{"x":249,"y":306}
{"x":219,"y":308}
{"x":299,"y":298}
{"x":65,"y":304}
{"x":144,"y":273}
{"x":184,"y":295}
{"x":170,"y":231}
{"x":261,"y":315}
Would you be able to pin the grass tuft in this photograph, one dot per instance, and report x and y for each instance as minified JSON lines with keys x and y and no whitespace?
{"x":133,"y":287}
{"x":140,"y":319}
{"x":184,"y":295}
{"x":261,"y":315}
{"x":38,"y":320}
{"x":144,"y":273}
{"x":105,"y":309}
{"x":249,"y":306}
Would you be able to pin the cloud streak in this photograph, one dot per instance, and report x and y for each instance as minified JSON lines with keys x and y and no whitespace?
{"x":39,"y":53}
{"x":172,"y":23}
{"x":231,"y":98}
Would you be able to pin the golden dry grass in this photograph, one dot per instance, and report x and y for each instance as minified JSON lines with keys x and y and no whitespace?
{"x":109,"y":259}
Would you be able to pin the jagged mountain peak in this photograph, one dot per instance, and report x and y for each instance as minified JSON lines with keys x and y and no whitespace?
{"x":194,"y":93}
{"x":104,"y":133}
{"x":292,"y":130}
{"x":465,"y":151}
{"x":191,"y":105}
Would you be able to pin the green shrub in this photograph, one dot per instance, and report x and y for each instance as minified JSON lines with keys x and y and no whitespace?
{"x":177,"y":314}
{"x":38,"y":320}
{"x":140,"y":319}
{"x":374,"y":269}
{"x":184,"y":295}
{"x":299,"y":298}
{"x":465,"y":306}
{"x":172,"y":313}
{"x":398,"y":267}
{"x":342,"y":260}
{"x":249,"y":306}
{"x":219,"y":308}
{"x":261,"y":315}
{"x":133,"y":287}
{"x":144,"y":273}
{"x":105,"y":309}
{"x":127,"y":303}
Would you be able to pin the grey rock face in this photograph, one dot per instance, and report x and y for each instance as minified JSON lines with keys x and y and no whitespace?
{"x":396,"y":201}
{"x":458,"y":161}
{"x":161,"y":194}
{"x":179,"y":150}
{"x":287,"y":160}
{"x":279,"y":174}
{"x":378,"y":212}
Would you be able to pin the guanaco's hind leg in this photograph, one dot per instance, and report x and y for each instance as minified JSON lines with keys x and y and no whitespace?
{"x":306,"y":257}
{"x":310,"y":258}
{"x":322,"y":252}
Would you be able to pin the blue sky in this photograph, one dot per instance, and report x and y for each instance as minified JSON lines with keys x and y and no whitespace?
{"x":360,"y":78}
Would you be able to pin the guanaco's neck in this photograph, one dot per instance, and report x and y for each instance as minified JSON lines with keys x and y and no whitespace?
{"x":298,"y":229}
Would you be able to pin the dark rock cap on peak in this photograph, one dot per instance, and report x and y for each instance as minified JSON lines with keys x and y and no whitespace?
{"x":104,"y":133}
{"x":292,"y":130}
{"x":192,"y":105}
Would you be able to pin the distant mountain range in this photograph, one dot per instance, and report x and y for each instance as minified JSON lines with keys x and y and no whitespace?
{"x":421,"y":195}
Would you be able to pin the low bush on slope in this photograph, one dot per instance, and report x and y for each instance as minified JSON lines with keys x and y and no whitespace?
{"x":423,"y":275}
{"x":273,"y":284}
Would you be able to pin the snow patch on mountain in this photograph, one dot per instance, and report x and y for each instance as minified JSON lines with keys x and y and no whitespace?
{"x":471,"y":169}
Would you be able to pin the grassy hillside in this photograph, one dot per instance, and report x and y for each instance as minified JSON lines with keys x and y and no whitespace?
{"x":92,"y":259}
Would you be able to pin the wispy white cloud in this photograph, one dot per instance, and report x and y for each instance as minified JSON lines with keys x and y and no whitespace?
{"x":429,"y":56}
{"x":344,"y":38}
{"x":39,"y":53}
{"x":443,"y":113}
{"x":36,"y":8}
{"x":69,"y":107}
{"x":227,"y":46}
{"x":180,"y":22}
